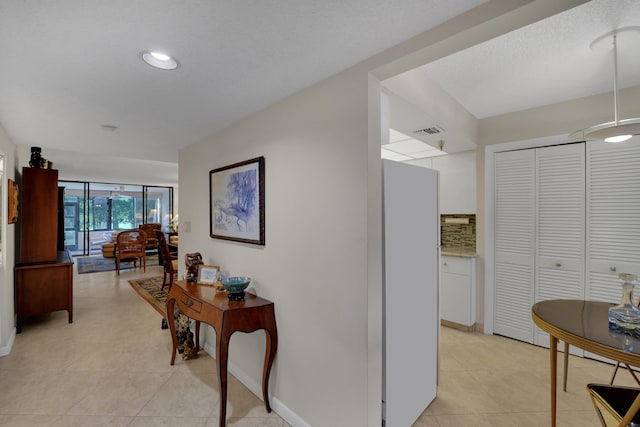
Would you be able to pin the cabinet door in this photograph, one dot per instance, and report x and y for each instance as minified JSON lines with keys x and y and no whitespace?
{"x":39,"y":215}
{"x":560,"y":221}
{"x":514,"y":243}
{"x":613,"y":217}
{"x":455,"y":298}
{"x":457,"y":293}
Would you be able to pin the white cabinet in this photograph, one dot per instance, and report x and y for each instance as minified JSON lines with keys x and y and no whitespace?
{"x":458,"y":290}
{"x":457,"y":182}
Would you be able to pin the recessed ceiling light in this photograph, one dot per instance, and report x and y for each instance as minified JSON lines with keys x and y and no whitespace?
{"x":160,"y":56}
{"x":159,"y":60}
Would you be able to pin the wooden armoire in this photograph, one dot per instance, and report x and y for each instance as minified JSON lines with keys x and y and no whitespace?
{"x":43,"y":274}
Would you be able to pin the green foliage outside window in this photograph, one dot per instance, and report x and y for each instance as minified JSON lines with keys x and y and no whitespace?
{"x":110,"y":214}
{"x":123,"y":214}
{"x":99,"y":213}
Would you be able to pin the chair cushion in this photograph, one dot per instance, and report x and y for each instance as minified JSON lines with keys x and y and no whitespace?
{"x":108,"y":250}
{"x":152,"y":243}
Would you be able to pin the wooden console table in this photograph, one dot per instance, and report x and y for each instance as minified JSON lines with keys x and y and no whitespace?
{"x":206,"y":304}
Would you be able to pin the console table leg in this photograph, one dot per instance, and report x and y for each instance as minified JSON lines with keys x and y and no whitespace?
{"x":222,"y":353}
{"x":197,"y":343}
{"x":271,"y":335}
{"x":171,"y":302}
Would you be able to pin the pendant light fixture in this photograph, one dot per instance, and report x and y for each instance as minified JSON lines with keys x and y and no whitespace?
{"x":617,"y":130}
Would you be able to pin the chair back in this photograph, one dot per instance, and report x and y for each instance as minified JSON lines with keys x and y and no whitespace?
{"x":131,"y":243}
{"x":163,"y":247}
{"x":150,"y":229}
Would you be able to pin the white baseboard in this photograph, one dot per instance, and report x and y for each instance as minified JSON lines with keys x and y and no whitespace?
{"x":6,"y":349}
{"x":278,"y":407}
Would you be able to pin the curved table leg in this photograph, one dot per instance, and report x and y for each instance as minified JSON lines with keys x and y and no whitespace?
{"x":222,"y":353}
{"x":271,"y":334}
{"x":197,"y":343}
{"x":171,"y":302}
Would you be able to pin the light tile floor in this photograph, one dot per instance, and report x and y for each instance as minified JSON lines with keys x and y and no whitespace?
{"x":488,"y":381}
{"x":111,"y":368}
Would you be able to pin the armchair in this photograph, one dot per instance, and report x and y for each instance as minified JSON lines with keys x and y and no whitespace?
{"x":150,"y":231}
{"x":130,"y":246}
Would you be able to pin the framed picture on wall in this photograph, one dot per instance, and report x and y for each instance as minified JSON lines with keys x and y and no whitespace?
{"x":12,"y":215}
{"x":236,"y":202}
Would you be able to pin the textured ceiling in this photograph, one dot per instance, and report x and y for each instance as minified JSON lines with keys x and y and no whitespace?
{"x":70,"y":66}
{"x":545,"y":63}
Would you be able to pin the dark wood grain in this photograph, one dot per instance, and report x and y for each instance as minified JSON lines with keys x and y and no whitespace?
{"x":38,"y":215}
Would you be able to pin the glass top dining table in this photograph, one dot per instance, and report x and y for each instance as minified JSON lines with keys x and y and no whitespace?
{"x":588,"y":323}
{"x":583,"y":324}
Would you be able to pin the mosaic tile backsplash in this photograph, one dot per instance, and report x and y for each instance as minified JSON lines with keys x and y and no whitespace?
{"x":458,"y":236}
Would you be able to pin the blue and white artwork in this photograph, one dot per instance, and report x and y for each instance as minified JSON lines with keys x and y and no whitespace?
{"x":236,"y":203}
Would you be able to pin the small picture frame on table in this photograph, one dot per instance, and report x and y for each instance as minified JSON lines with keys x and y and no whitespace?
{"x":208,"y":274}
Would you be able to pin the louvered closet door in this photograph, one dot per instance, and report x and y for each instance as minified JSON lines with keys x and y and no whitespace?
{"x":613,"y":217}
{"x":560,"y":233}
{"x":514,"y":243}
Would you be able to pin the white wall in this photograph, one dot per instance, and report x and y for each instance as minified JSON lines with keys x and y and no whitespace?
{"x":7,"y":313}
{"x":91,"y":168}
{"x":314,"y":263}
{"x":457,"y":181}
{"x":321,"y":264}
{"x":118,"y":170}
{"x":100,"y":168}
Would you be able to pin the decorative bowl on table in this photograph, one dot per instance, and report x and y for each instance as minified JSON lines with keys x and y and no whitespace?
{"x":235,"y":287}
{"x":625,"y":317}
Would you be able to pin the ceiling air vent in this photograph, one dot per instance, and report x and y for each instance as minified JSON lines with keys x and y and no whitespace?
{"x":432,"y":130}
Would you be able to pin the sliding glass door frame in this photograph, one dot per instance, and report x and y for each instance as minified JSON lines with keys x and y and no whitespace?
{"x":158,"y":209}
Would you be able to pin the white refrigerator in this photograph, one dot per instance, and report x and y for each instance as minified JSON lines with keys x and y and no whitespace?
{"x":411,"y":222}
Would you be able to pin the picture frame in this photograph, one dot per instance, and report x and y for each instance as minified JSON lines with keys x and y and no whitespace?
{"x":208,"y":274}
{"x":12,"y":207}
{"x":236,"y":202}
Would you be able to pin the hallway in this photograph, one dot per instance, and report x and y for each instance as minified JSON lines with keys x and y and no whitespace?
{"x":111,"y":368}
